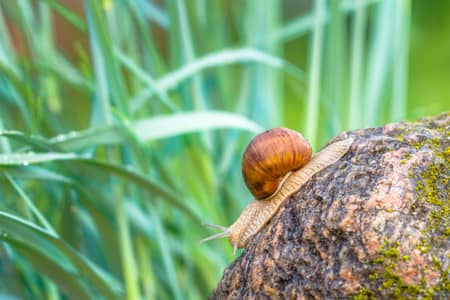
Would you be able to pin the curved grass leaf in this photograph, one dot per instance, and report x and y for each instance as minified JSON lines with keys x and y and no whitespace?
{"x":18,"y":159}
{"x":34,"y":141}
{"x":71,"y":141}
{"x":34,"y":172}
{"x":105,"y":135}
{"x":15,"y":159}
{"x":53,"y":257}
{"x":67,"y":14}
{"x":46,"y":265}
{"x":153,"y":13}
{"x":13,"y":77}
{"x":188,"y":122}
{"x":139,"y":179}
{"x":30,"y":204}
{"x":149,"y":81}
{"x":155,"y":188}
{"x":221,"y":58}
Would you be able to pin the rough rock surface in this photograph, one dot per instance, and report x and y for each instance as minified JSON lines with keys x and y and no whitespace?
{"x":375,"y":225}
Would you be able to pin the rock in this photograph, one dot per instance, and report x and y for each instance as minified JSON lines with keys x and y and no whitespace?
{"x":375,"y":225}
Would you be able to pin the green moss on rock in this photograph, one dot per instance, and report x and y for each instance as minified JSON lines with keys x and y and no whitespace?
{"x":432,"y":188}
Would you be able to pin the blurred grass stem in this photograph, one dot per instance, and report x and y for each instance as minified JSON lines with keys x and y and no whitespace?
{"x":312,"y":111}
{"x":357,"y":46}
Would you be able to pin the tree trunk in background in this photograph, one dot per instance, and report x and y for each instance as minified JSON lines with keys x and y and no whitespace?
{"x":375,"y":225}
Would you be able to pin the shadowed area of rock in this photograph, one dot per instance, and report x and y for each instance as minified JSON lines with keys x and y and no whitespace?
{"x":375,"y":225}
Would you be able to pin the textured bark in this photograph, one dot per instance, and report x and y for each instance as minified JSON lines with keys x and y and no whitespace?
{"x":375,"y":225}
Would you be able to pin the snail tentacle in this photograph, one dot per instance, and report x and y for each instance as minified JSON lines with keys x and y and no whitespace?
{"x":219,"y":235}
{"x":220,"y":227}
{"x":226,"y":232}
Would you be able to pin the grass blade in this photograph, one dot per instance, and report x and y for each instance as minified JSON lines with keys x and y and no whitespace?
{"x":335,"y":70}
{"x":24,"y":159}
{"x":31,"y":205}
{"x":146,"y":79}
{"x":188,"y":122}
{"x":63,"y":278}
{"x":401,"y":54}
{"x":359,"y":26}
{"x":106,"y":64}
{"x":153,"y":13}
{"x":67,"y":14}
{"x":91,"y":137}
{"x":155,"y":188}
{"x":220,"y":58}
{"x":380,"y":56}
{"x":312,"y":111}
{"x":72,"y":272}
{"x":34,"y":172}
{"x":303,"y":25}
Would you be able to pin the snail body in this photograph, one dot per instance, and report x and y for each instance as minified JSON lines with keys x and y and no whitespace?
{"x":259,"y":211}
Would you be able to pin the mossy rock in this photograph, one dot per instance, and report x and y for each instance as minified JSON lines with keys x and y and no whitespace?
{"x":375,"y":225}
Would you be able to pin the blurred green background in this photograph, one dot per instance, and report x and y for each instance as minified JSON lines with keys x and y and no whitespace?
{"x":123,"y":124}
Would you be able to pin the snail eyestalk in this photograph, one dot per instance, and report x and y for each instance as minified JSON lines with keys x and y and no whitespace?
{"x":220,"y":227}
{"x":225,"y":232}
{"x":215,"y":236}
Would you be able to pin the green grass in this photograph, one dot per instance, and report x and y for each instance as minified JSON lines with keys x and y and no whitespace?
{"x":122,"y":125}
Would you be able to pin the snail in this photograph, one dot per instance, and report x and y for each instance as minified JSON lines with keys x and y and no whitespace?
{"x":275,"y":165}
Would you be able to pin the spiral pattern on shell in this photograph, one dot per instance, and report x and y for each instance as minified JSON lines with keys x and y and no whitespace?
{"x":270,"y":156}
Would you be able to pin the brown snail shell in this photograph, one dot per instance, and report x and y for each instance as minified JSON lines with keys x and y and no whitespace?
{"x":270,"y":156}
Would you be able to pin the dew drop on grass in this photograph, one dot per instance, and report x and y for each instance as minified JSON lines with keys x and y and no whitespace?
{"x":72,"y":134}
{"x":59,"y":138}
